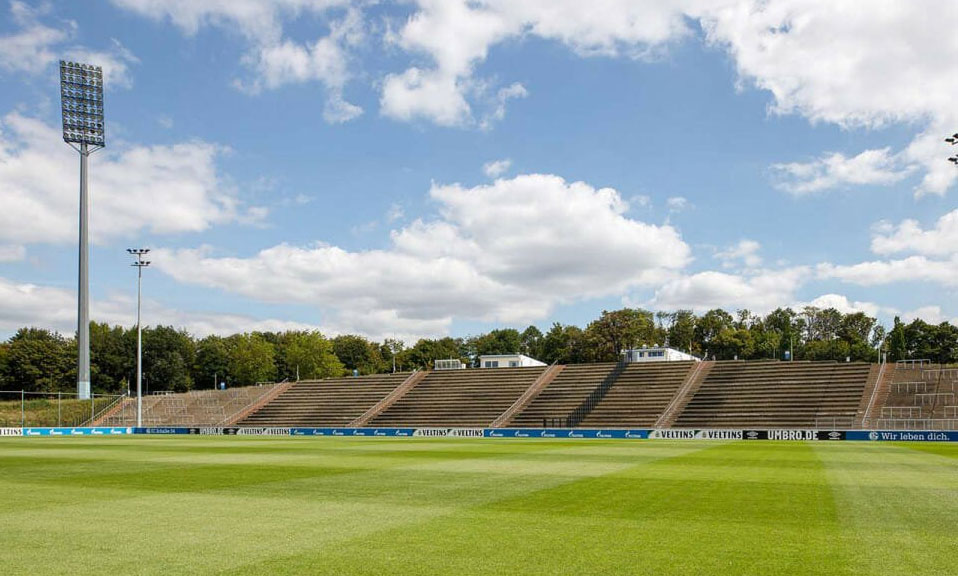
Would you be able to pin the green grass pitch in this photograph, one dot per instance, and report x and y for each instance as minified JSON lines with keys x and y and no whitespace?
{"x":246,"y":505}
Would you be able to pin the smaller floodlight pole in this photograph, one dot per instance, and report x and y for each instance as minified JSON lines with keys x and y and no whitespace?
{"x":140,"y":265}
{"x":81,"y":101}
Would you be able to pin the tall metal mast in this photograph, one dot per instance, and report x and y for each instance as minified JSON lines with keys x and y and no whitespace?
{"x":81,"y":98}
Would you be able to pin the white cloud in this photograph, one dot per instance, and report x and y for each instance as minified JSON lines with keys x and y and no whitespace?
{"x":115,"y":63}
{"x":511,"y":92}
{"x":759,"y":291}
{"x":55,"y":308}
{"x":38,"y":181}
{"x":416,"y":94}
{"x":745,"y":251}
{"x":508,"y":252}
{"x":40,"y":306}
{"x":843,"y":304}
{"x":35,"y":47}
{"x":326,"y":60}
{"x":881,"y":272}
{"x":677,"y":204}
{"x":252,"y":18}
{"x":275,"y":59}
{"x":835,"y":62}
{"x":831,"y":61}
{"x":32,"y":48}
{"x":871,"y":167}
{"x":826,"y":61}
{"x":12,"y":252}
{"x":457,"y":35}
{"x":932,"y":255}
{"x":930,"y":314}
{"x":395,"y":213}
{"x":496,"y":168}
{"x":908,"y":236}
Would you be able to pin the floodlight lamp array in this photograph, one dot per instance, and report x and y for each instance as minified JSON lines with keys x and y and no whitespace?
{"x":81,"y":98}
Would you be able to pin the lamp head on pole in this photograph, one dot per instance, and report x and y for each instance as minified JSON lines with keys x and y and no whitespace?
{"x":81,"y":102}
{"x":139,"y":253}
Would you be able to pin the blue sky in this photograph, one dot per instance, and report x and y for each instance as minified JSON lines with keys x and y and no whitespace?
{"x":423,"y":168}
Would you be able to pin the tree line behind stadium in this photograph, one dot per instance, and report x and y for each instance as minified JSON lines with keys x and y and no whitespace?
{"x":36,"y":359}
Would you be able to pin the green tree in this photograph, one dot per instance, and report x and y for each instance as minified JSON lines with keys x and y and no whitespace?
{"x":252,"y":359}
{"x":112,"y":357}
{"x":357,"y":353}
{"x":734,"y":343}
{"x":504,"y":341}
{"x":311,"y":355}
{"x":427,"y":351}
{"x":681,"y":331}
{"x":898,"y":346}
{"x":618,"y":330}
{"x":833,"y":349}
{"x":708,"y":329}
{"x":38,"y":360}
{"x":395,"y":349}
{"x":168,"y":357}
{"x":784,"y":322}
{"x":530,"y":342}
{"x":565,"y":345}
{"x":212,"y":362}
{"x":946,"y":343}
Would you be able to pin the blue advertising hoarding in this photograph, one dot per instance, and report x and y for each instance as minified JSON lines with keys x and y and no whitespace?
{"x":564,"y":433}
{"x":902,"y":435}
{"x":97,"y":431}
{"x":561,"y":433}
{"x":352,"y":431}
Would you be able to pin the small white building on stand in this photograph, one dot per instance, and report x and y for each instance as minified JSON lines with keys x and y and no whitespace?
{"x":657,"y":354}
{"x":508,"y":361}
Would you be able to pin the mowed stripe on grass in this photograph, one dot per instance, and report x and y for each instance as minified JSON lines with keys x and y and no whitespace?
{"x":204,"y":505}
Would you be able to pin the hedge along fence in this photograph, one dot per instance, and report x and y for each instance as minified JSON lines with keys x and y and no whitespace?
{"x":49,"y":409}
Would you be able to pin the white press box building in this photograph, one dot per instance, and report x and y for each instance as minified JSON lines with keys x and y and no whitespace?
{"x":657,"y":354}
{"x":508,"y":361}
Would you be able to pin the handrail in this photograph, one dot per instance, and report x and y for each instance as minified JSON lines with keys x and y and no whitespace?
{"x":543,"y":380}
{"x":874,"y":396}
{"x":277,"y":388}
{"x":93,"y":418}
{"x":394,"y":395}
{"x":679,"y":394}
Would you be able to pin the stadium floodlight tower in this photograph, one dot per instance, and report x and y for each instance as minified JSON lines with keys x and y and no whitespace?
{"x":140,"y":265}
{"x":81,"y":100}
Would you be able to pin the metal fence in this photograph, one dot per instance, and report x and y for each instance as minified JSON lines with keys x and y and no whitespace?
{"x":917,"y":424}
{"x":26,"y":409}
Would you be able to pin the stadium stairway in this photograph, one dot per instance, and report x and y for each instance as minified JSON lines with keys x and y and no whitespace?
{"x":556,"y":401}
{"x":459,"y":398}
{"x":531,"y":392}
{"x":390,"y":399}
{"x":320,"y":403}
{"x":693,"y":381}
{"x":777,"y":395}
{"x":876,"y":388}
